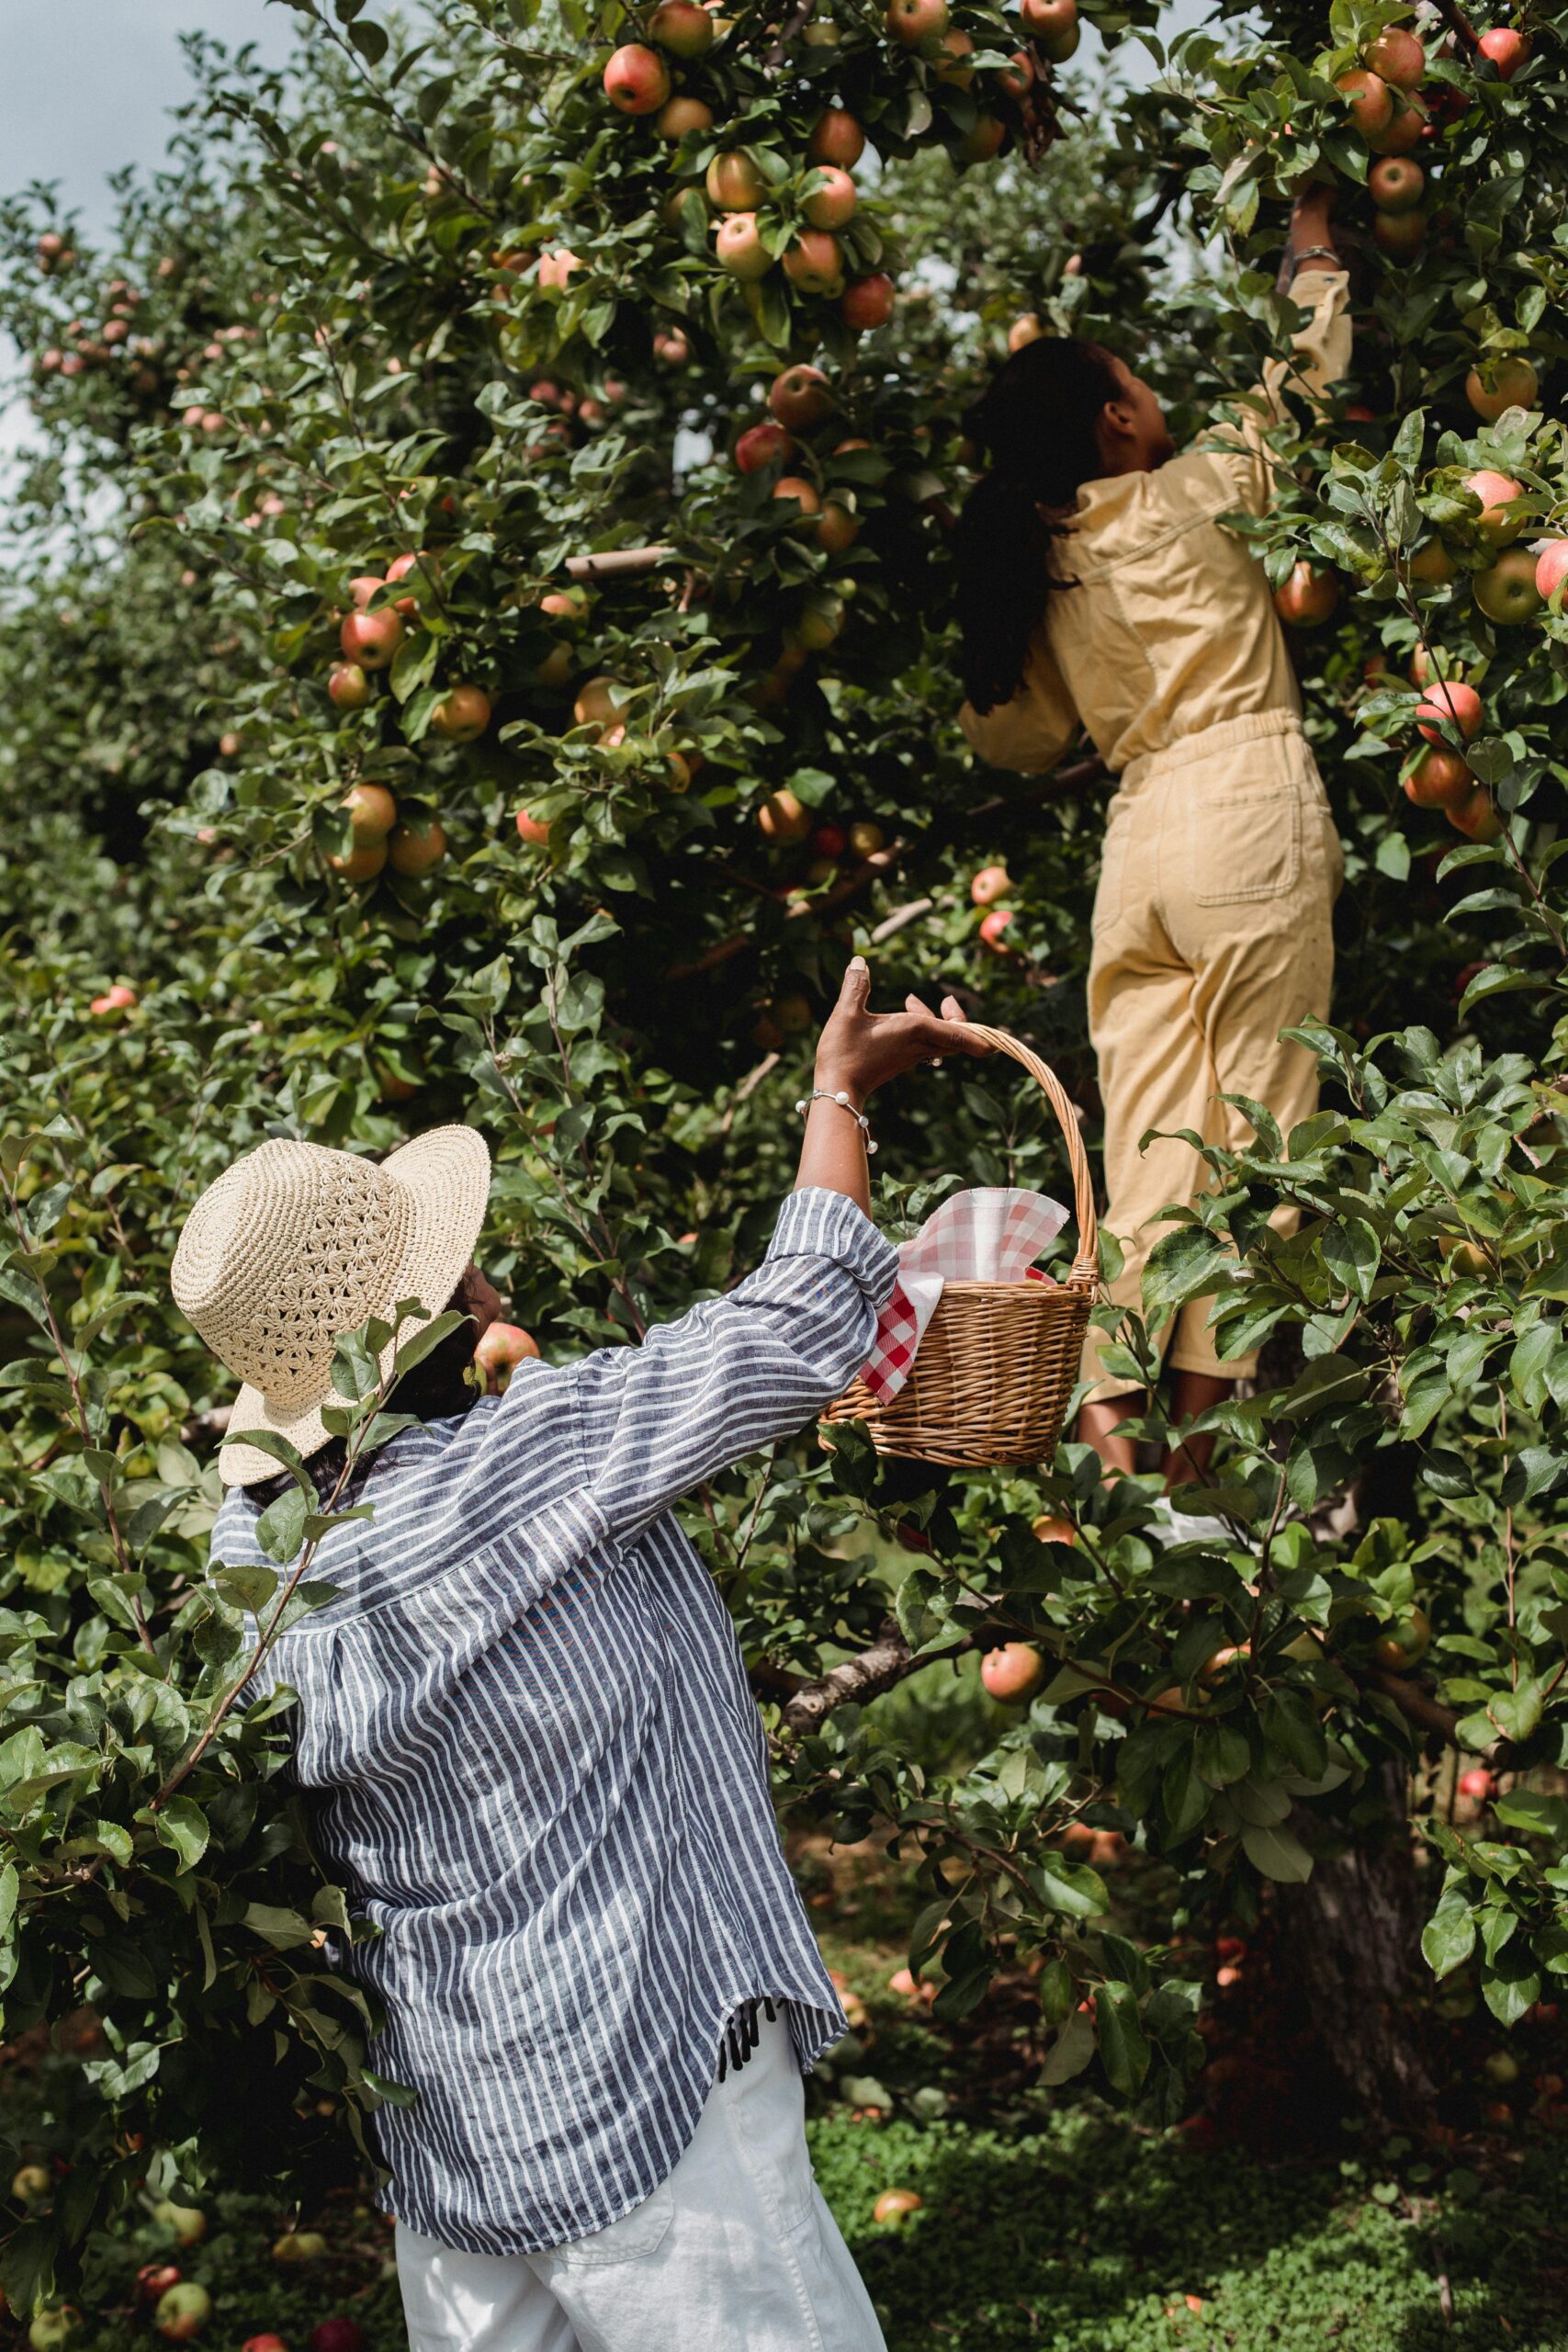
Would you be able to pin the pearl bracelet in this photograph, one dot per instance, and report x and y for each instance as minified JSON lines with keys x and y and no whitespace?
{"x":820,"y":1094}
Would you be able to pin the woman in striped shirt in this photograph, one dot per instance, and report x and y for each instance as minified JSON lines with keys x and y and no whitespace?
{"x":529,"y":1753}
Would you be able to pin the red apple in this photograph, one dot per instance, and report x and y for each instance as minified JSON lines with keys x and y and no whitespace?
{"x":600,"y":702}
{"x":1433,"y":564}
{"x":462,"y":715}
{"x":1055,"y":24}
{"x":416,"y":853}
{"x":800,"y":398}
{"x":829,"y":841}
{"x":734,"y":182}
{"x":985,"y":137}
{"x":1403,"y":133}
{"x":953,"y":67}
{"x":1507,"y":48}
{"x":1552,"y":567}
{"x":682,"y":115}
{"x":836,"y":137}
{"x":372,"y":812}
{"x":155,"y":2278}
{"x":347,"y":685}
{"x":370,"y":639}
{"x":1506,"y":383}
{"x":1394,"y":182}
{"x":1439,"y":779}
{"x":1307,"y":598}
{"x":761,"y":444}
{"x":264,"y":2343}
{"x":671,"y":347}
{"x":683,"y":28}
{"x":1014,"y":1672}
{"x":118,"y":999}
{"x":532,"y":828}
{"x":783,"y":819}
{"x":1477,"y":1784}
{"x":1369,"y":98}
{"x":1495,"y":492}
{"x":1398,"y":56}
{"x":796,"y":487}
{"x":1016,"y":78}
{"x":1506,"y":590}
{"x":183,"y":2313}
{"x":992,"y":927}
{"x":990,"y":884}
{"x":360,"y":864}
{"x":424,"y":566}
{"x":738,"y":244}
{"x":896,"y":2205}
{"x":814,"y":264}
{"x":500,"y":1351}
{"x":1476,"y":818}
{"x":836,"y":528}
{"x":362,"y":586}
{"x":1449,"y":700}
{"x":831,"y":198}
{"x":338,"y":2335}
{"x":637,"y":80}
{"x":913,"y":21}
{"x":867,"y":302}
{"x":1399,"y":235}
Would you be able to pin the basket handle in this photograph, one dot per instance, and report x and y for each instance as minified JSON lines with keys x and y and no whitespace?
{"x":1085,"y":1265}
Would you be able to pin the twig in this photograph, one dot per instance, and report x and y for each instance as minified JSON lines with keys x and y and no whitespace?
{"x":899,"y":920}
{"x":1461,"y":23}
{"x":888,"y":1661}
{"x":615,"y":563}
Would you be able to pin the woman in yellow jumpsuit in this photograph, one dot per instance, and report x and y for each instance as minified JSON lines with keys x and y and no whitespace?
{"x":1100,"y":588}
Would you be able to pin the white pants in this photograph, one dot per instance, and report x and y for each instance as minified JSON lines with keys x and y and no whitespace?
{"x":736,"y":2248}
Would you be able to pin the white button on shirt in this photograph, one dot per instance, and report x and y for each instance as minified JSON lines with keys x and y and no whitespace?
{"x":529,"y":1753}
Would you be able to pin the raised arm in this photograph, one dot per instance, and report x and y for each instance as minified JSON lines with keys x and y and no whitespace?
{"x":733,"y":1373}
{"x":1312,"y":275}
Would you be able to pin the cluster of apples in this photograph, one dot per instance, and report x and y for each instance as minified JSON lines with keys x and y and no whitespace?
{"x":601,"y":704}
{"x":990,"y":888}
{"x":112,"y":341}
{"x":1382,"y":97}
{"x":371,"y":634}
{"x":785,"y":820}
{"x":800,"y":400}
{"x":380,"y":839}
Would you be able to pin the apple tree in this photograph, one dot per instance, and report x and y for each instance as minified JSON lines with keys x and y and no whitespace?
{"x":521,"y":669}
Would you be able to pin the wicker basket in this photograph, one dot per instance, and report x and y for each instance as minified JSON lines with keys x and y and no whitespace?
{"x":998,"y":1360}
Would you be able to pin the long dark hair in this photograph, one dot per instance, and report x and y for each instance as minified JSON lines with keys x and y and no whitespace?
{"x":1038,"y":427}
{"x":435,"y":1390}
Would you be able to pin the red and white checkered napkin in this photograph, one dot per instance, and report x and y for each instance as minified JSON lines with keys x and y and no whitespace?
{"x":991,"y":1234}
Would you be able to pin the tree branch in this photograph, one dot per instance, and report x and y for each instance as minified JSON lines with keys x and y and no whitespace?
{"x":1419,"y":1707}
{"x":887,"y":1662}
{"x":616,"y":563}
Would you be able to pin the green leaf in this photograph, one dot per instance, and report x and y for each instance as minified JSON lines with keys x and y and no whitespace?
{"x":1535,"y":1811}
{"x":280,"y":1530}
{"x":1186,"y":1264}
{"x":1449,"y":1937}
{"x":1071,"y":2051}
{"x":1123,"y":2046}
{"x":182,"y":1825}
{"x":1277,"y":1852}
{"x":1222,"y":1753}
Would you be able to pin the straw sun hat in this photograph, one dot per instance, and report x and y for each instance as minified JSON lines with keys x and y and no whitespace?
{"x":294,"y":1245}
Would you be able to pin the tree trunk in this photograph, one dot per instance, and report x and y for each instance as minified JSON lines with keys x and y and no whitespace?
{"x":1352,"y":1943}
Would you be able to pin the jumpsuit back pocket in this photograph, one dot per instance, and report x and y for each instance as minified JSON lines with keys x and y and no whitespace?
{"x":1243,"y":823}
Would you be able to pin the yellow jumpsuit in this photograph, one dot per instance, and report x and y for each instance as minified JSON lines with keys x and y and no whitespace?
{"x":1212,"y":922}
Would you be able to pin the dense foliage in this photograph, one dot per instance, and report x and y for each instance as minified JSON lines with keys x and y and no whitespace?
{"x":440,"y":303}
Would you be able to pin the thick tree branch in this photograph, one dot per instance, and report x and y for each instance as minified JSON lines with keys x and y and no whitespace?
{"x":1420,"y":1708}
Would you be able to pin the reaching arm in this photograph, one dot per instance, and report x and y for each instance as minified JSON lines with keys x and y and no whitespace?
{"x":1313,"y":276}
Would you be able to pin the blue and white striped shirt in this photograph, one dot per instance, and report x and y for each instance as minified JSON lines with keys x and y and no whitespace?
{"x":530,"y":1754}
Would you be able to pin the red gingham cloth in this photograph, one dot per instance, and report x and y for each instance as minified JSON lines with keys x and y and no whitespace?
{"x":989,"y":1235}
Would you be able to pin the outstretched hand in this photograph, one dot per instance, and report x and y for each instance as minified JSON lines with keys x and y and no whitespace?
{"x":859,"y":1050}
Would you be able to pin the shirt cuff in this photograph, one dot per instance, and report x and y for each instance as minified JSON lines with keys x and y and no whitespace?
{"x":816,"y":1223}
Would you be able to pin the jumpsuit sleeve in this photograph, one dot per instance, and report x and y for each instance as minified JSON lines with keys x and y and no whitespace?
{"x":1321,"y":354}
{"x":734,"y":1374}
{"x":1029,"y":734}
